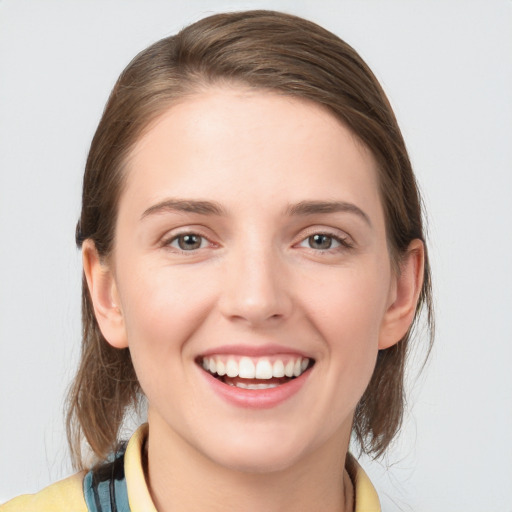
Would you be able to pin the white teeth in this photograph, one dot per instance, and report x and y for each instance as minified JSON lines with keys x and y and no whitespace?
{"x":254,"y":368}
{"x":243,"y":385}
{"x":263,"y":369}
{"x":246,"y":368}
{"x":296,"y":368}
{"x":231,"y":368}
{"x":288,"y":369}
{"x":278,"y":369}
{"x":221,"y":368}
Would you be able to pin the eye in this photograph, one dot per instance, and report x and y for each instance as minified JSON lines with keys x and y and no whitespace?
{"x":188,"y":242}
{"x":323,"y":242}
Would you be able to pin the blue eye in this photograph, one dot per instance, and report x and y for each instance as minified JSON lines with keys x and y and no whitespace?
{"x":188,"y":242}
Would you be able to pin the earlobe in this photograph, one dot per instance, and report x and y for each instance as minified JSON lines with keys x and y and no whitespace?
{"x":104,"y":296}
{"x":407,"y":288}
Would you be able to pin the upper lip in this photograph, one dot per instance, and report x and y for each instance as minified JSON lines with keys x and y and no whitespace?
{"x":254,"y":350}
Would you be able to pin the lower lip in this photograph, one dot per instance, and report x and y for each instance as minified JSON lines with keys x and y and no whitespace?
{"x":256,"y":398}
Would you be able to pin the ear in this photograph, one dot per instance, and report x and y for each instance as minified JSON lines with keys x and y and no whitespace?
{"x":104,"y":296}
{"x":404,"y":296}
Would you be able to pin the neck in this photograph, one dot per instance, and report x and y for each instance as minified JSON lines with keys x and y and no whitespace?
{"x":181,"y":479}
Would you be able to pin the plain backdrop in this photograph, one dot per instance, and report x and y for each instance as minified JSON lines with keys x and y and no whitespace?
{"x":447,"y":68}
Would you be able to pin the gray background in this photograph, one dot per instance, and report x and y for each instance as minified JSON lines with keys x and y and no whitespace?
{"x":447,"y":67}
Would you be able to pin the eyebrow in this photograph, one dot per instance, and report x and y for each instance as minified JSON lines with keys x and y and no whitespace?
{"x":316,"y":207}
{"x":213,"y":208}
{"x":185,"y":205}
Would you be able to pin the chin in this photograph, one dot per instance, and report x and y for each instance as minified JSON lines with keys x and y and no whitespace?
{"x":257,"y":462}
{"x":258,"y":452}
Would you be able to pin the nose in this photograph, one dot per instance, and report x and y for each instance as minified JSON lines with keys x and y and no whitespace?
{"x":255,"y":290}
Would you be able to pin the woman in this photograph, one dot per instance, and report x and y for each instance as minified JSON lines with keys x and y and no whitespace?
{"x":254,"y":260}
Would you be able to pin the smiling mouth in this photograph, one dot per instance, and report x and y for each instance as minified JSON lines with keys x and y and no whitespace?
{"x":255,"y":373}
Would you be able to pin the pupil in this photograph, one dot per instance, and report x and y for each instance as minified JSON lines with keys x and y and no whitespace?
{"x":188,"y":242}
{"x":320,"y":241}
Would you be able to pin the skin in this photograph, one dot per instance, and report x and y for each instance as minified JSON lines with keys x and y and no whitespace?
{"x":257,"y":278}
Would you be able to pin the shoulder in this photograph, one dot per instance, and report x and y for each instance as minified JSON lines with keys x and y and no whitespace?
{"x":98,"y":486}
{"x":366,"y":498}
{"x":61,"y":496}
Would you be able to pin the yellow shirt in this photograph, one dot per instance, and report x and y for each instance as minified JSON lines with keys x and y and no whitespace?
{"x":67,"y":495}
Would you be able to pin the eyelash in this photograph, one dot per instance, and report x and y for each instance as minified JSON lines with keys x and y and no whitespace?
{"x":343,"y":242}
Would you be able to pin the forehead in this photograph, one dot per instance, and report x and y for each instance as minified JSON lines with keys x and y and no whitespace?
{"x":237,"y":143}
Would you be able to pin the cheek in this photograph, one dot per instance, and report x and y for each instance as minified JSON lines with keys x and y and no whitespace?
{"x":351,"y":305}
{"x":162,"y":307}
{"x":348,"y":313}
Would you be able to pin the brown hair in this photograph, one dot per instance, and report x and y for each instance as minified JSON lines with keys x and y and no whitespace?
{"x":261,"y":49}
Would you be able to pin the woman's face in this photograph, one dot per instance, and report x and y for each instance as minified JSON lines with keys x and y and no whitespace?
{"x":250,"y":246}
